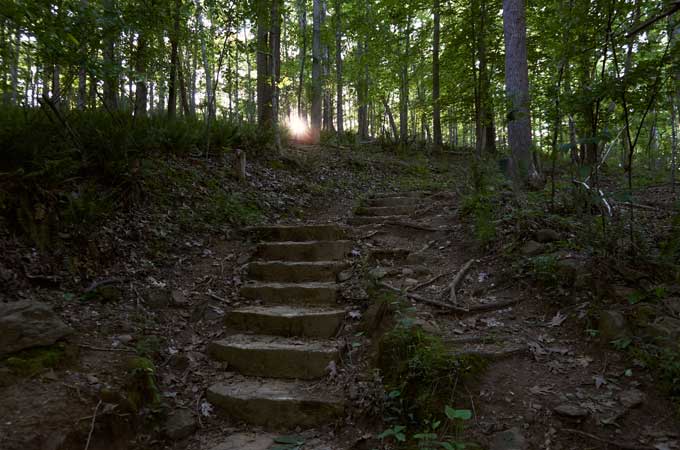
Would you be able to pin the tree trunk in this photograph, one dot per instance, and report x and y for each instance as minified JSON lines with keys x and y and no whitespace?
{"x":141,"y":96}
{"x":302,"y":20}
{"x":338,"y":66}
{"x":56,"y":85}
{"x":436,"y":107}
{"x":390,"y":116}
{"x":207,"y":69}
{"x":263,"y":60}
{"x":517,"y":90}
{"x":275,"y":64}
{"x":316,"y":75}
{"x":110,"y":86}
{"x":174,"y":62}
{"x":404,"y":91}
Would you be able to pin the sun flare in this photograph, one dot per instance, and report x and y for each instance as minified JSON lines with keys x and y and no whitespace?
{"x":298,"y":127}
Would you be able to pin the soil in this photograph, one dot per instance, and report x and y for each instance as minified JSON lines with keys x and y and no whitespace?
{"x":546,"y":376}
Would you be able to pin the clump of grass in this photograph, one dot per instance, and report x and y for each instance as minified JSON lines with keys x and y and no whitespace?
{"x":421,"y":371}
{"x":31,"y":362}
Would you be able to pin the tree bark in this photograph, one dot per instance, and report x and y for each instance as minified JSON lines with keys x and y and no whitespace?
{"x":206,"y":64}
{"x":517,"y":90}
{"x":275,"y":64}
{"x":141,"y":96}
{"x":404,"y":91}
{"x":263,"y":62}
{"x":338,"y":66}
{"x":174,"y":62}
{"x":302,"y":21}
{"x":316,"y":75}
{"x":436,"y":107}
{"x":109,"y":52}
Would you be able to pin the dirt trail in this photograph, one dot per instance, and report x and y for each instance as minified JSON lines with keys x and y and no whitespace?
{"x":547,"y":386}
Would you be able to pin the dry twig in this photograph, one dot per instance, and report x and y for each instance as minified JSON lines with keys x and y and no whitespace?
{"x":94,"y":419}
{"x":456,"y":281}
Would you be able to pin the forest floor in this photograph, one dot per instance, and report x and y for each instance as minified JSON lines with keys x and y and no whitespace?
{"x":147,"y":287}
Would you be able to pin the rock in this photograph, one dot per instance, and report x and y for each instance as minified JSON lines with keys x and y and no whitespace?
{"x":241,"y":260}
{"x":158,"y":298}
{"x":125,"y":338}
{"x":421,"y":271}
{"x":426,"y":326}
{"x":378,"y":273}
{"x":415,"y":258}
{"x":180,"y":424}
{"x":410,"y":282}
{"x":29,"y":323}
{"x":407,"y":272}
{"x":345,"y":275}
{"x":672,"y":304}
{"x":568,"y":269}
{"x":511,"y":439}
{"x":547,"y":235}
{"x":532,"y":248}
{"x":632,"y":398}
{"x":665,"y":327}
{"x":246,"y":441}
{"x":109,"y":293}
{"x":180,"y":361}
{"x":612,"y":325}
{"x":571,"y":410}
{"x":179,"y":300}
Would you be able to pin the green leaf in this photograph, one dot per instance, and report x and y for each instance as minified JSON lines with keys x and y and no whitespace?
{"x":458,"y":414}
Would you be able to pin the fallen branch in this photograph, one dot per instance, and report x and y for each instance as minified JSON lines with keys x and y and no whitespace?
{"x":639,"y":206}
{"x":607,"y":441}
{"x":94,"y":419}
{"x":459,"y":276}
{"x":102,"y":349}
{"x":415,"y":226}
{"x":426,"y":283}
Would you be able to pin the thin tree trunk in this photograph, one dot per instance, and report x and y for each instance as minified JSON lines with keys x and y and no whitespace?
{"x":207,"y":69}
{"x":275,"y":64}
{"x":174,"y":62}
{"x":109,"y":52}
{"x":404,"y":91}
{"x":302,"y":20}
{"x":264,"y":72}
{"x":316,"y":74}
{"x":338,"y":66}
{"x":141,"y":95}
{"x":390,"y":116}
{"x":436,"y":107}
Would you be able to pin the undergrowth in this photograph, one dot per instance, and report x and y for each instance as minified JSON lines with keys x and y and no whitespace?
{"x":422,"y":377}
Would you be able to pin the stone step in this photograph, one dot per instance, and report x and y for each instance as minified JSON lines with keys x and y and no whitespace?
{"x":303,"y":251}
{"x":275,"y":356}
{"x":393,"y":201}
{"x":299,"y":233}
{"x":382,"y":211}
{"x":277,"y":404}
{"x":295,"y":272}
{"x":286,"y":321}
{"x":370,"y":220}
{"x":292,"y":293}
{"x":412,"y":194}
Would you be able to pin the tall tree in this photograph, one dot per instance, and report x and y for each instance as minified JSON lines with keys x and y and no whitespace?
{"x":436,"y":107}
{"x":338,"y":66}
{"x":263,"y":63}
{"x":316,"y":74}
{"x":517,"y":89}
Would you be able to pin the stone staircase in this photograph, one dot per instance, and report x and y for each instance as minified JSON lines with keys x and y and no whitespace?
{"x":282,"y":344}
{"x":387,"y":207}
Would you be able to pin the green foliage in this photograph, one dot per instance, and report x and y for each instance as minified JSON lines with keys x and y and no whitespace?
{"x":28,"y":363}
{"x":288,"y":443}
{"x":141,"y":388}
{"x":479,"y":208}
{"x":420,"y":371}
